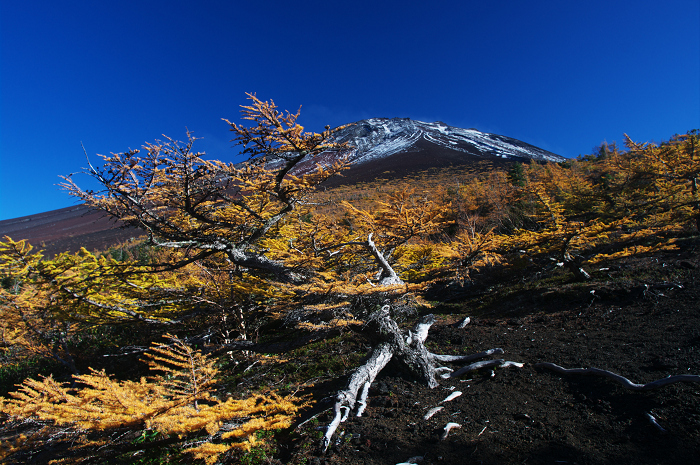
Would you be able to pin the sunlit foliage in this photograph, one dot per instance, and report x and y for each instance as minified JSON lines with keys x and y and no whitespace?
{"x":45,"y":301}
{"x":177,"y":403}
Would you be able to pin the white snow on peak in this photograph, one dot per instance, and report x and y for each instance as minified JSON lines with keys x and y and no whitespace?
{"x":381,"y":137}
{"x":377,"y":138}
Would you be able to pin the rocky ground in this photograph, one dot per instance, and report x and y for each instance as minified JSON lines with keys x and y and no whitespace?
{"x":640,"y":319}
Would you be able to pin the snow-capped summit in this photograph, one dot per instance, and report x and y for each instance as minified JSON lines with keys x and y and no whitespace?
{"x":378,"y":138}
{"x":383,"y":147}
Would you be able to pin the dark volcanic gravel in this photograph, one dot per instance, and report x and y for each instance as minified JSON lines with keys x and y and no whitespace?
{"x":535,"y":416}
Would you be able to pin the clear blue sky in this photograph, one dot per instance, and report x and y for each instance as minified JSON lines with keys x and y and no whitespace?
{"x":563,"y":75}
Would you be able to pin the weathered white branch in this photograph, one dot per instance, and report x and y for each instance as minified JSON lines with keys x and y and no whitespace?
{"x":621,"y":379}
{"x":333,"y":425}
{"x":452,"y":396}
{"x":483,"y":364}
{"x":311,"y":418}
{"x":448,"y":428}
{"x":472,"y":367}
{"x":432,"y":412}
{"x":363,"y":399}
{"x":509,"y":363}
{"x":389,"y":276}
{"x":465,"y":358}
{"x":364,"y":375}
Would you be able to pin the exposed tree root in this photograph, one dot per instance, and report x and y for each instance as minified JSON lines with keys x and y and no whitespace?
{"x":407,"y":349}
{"x":482,"y":364}
{"x":621,"y":379}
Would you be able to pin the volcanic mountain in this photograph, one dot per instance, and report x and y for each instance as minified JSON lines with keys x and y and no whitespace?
{"x":379,"y":138}
{"x":382,"y":147}
{"x":379,"y":148}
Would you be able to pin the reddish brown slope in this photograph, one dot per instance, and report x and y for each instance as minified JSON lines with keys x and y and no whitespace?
{"x":423,"y":156}
{"x":67,"y":229}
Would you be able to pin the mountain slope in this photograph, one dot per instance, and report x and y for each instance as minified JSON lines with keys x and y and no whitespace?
{"x":67,"y":229}
{"x":380,"y":148}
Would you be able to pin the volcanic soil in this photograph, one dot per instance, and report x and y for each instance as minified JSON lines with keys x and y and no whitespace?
{"x":639,"y":318}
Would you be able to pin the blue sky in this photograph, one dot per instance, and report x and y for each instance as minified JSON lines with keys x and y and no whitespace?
{"x":561,"y":75}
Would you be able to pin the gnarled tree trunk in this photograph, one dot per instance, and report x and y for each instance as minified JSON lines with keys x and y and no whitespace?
{"x":407,"y":349}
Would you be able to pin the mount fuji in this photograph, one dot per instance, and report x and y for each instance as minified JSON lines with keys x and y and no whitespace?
{"x":383,"y":147}
{"x":379,"y":138}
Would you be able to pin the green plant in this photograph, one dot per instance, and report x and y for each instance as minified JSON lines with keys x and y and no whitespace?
{"x":258,"y":455}
{"x":147,"y":435}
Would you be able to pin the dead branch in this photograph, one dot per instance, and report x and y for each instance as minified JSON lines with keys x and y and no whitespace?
{"x":620,"y":379}
{"x":406,"y":349}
